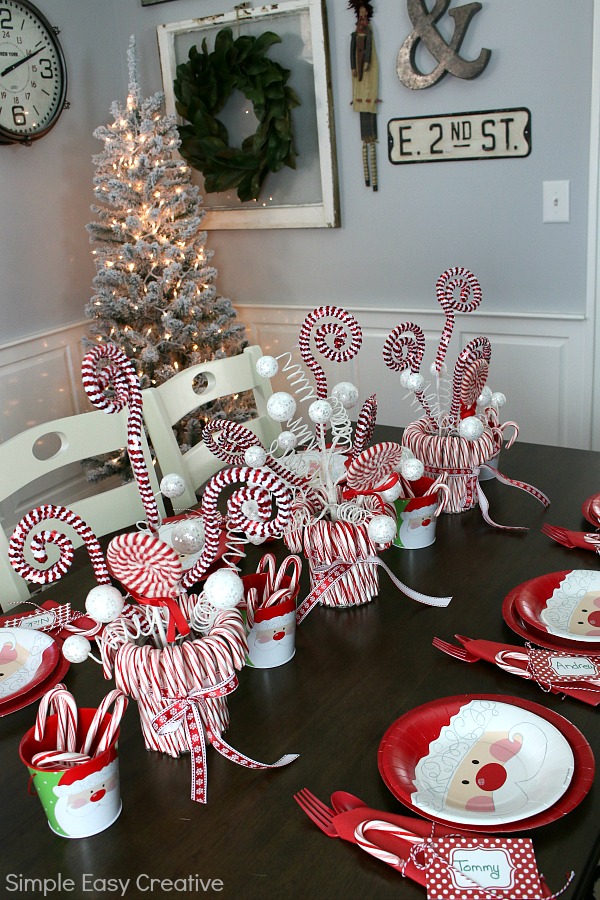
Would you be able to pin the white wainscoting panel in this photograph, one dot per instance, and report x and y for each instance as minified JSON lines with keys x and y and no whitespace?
{"x":40,"y":380}
{"x":542,"y":363}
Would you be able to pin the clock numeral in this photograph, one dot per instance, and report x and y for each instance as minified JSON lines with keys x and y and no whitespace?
{"x":5,"y":18}
{"x":18,"y":114}
{"x":46,"y":68}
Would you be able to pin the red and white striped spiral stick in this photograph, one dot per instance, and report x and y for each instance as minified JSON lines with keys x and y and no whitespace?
{"x":262,"y":480}
{"x":63,"y":704}
{"x":121,"y":375}
{"x":337,"y":353}
{"x":404,"y":348}
{"x":61,"y":566}
{"x":228,"y":441}
{"x":477,"y":349}
{"x":455,"y":279}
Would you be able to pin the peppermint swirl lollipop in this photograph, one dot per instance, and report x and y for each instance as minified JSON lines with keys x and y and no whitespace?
{"x":120,"y":376}
{"x":456,"y":279}
{"x":373,"y":467}
{"x":347,"y":340}
{"x":145,"y":565}
{"x":479,"y":349}
{"x":42,"y":538}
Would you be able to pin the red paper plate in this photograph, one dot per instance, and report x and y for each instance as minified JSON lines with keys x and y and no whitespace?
{"x":591,"y":510}
{"x":27,"y":657}
{"x":520,"y":611}
{"x":567,"y":607}
{"x":405,"y":748}
{"x":23,"y":700}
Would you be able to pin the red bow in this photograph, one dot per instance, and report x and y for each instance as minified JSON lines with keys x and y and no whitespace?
{"x":176,"y":621}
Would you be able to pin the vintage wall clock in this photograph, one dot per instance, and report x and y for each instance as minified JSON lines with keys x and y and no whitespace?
{"x":33,"y":74}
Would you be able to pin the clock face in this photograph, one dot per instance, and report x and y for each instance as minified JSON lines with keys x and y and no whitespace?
{"x":33,"y":80}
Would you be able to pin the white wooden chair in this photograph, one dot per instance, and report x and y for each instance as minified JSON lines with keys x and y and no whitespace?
{"x":21,"y":470}
{"x":167,"y":404}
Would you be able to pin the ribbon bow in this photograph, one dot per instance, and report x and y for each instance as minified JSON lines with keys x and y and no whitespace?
{"x":192,"y":711}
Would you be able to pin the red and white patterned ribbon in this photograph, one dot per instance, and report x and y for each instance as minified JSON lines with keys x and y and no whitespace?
{"x":61,"y":616}
{"x":192,"y":712}
{"x":329,"y":575}
{"x":503,"y":479}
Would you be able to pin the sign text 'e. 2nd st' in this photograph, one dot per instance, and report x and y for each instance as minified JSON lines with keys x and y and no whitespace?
{"x":493,"y":134}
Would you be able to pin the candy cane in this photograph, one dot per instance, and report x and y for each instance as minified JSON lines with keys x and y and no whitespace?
{"x":337,"y":353}
{"x":120,"y":701}
{"x":365,"y":425}
{"x":65,"y":708}
{"x":477,"y":349}
{"x":473,"y":382}
{"x":61,"y":566}
{"x":121,"y":372}
{"x":259,"y":479}
{"x":456,"y":278}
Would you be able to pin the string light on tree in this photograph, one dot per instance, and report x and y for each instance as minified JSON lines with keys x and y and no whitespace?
{"x":155,"y":295}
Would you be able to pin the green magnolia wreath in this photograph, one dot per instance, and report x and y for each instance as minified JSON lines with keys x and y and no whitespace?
{"x":202,"y":88}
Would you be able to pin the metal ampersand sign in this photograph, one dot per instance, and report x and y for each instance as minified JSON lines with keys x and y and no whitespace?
{"x":445,"y":53}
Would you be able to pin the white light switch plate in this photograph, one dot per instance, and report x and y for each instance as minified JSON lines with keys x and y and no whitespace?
{"x":556,"y":201}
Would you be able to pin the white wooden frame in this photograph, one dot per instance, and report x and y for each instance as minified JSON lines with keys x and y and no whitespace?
{"x":311,"y":15}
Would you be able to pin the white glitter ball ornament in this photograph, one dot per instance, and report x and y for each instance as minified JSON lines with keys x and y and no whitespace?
{"x":104,"y":603}
{"x":470,"y":428}
{"x":412,"y":469}
{"x":498,"y":399}
{"x":250,"y":510}
{"x":287,"y":440}
{"x":267,"y":366}
{"x":281,"y":406}
{"x":224,"y":589}
{"x":381,"y":529}
{"x":392,"y":493}
{"x":188,"y":536}
{"x":255,"y":457}
{"x":485,"y":397}
{"x":320,"y":412}
{"x":434,"y":371}
{"x":414,"y":381}
{"x":76,"y":648}
{"x":172,"y":485}
{"x":346,"y":393}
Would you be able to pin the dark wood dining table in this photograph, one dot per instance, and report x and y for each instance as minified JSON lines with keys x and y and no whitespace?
{"x":354,"y":673}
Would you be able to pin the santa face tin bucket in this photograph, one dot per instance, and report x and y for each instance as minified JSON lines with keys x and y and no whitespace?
{"x":416,"y":521}
{"x":272,"y":636}
{"x":81,"y":800}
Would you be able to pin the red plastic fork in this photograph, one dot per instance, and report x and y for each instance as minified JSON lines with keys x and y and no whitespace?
{"x":565,"y":537}
{"x":453,"y":650}
{"x":317,"y":811}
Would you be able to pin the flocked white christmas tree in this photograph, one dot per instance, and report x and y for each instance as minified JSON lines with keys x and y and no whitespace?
{"x":155,"y":294}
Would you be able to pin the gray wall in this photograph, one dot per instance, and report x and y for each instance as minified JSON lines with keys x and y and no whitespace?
{"x":486,"y":215}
